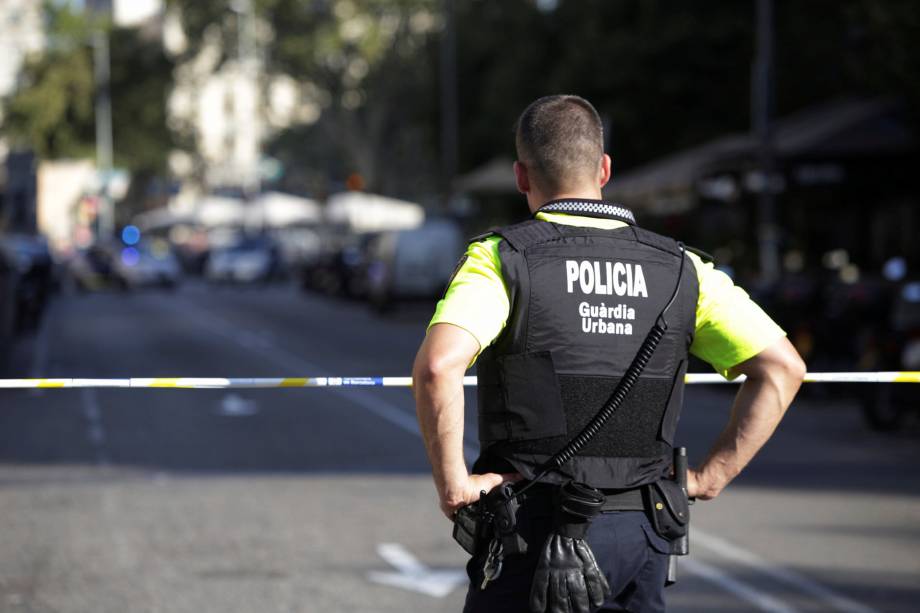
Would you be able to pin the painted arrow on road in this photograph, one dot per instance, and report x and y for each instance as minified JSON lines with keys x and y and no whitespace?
{"x":412,"y":575}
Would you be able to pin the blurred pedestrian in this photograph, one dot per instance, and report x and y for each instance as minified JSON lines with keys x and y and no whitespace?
{"x":555,"y":309}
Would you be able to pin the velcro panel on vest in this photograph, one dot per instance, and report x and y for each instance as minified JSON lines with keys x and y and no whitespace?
{"x":632,"y":431}
{"x":532,"y":400}
{"x":531,"y":232}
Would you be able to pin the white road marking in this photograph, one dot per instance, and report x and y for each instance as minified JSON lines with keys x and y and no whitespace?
{"x":737,"y":588}
{"x":397,"y":416}
{"x":95,"y":431}
{"x":234,"y":405}
{"x":412,"y":575}
{"x":734,"y":553}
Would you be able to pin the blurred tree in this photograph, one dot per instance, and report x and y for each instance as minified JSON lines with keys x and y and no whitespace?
{"x":366,"y":67}
{"x":141,"y":81}
{"x":832,"y":48}
{"x":369,"y":67}
{"x":52,"y":111}
{"x":662,"y":74}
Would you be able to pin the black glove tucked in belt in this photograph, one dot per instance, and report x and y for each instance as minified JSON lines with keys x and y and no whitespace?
{"x":567,"y":579}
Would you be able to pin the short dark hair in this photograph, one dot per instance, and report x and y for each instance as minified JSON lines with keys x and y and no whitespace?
{"x":561,"y":140}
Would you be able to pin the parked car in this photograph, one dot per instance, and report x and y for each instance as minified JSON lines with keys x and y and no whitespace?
{"x":36,"y":279}
{"x":249,"y":260}
{"x":334,"y":262}
{"x":149,"y":264}
{"x":95,"y":268}
{"x":297,"y":244}
{"x":413,"y":264}
{"x":9,"y":274}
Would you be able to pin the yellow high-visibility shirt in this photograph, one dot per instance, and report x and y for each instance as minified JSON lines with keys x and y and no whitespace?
{"x":730,"y":327}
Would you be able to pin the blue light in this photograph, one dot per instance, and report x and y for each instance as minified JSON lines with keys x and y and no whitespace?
{"x":130,"y":235}
{"x":130,"y":256}
{"x":895,"y":269}
{"x":911,"y":292}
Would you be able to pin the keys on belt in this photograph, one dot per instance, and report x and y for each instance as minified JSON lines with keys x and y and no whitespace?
{"x":492,"y":568}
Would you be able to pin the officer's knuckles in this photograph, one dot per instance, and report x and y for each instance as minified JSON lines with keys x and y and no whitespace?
{"x":486,"y":482}
{"x":453,"y":502}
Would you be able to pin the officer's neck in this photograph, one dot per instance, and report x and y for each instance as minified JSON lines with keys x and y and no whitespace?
{"x":536,"y":199}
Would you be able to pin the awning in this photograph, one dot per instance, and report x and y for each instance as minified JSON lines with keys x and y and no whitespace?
{"x":848,"y":127}
{"x":494,"y":178}
{"x":363,"y":212}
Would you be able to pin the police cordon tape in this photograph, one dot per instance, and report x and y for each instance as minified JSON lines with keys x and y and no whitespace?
{"x":297,"y":382}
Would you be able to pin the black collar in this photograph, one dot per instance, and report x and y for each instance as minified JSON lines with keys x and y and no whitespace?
{"x":586,"y":207}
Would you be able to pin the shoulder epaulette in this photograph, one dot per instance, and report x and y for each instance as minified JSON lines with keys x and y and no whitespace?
{"x":706,"y":257}
{"x":531,"y":232}
{"x":483,"y":236}
{"x":658,"y":241}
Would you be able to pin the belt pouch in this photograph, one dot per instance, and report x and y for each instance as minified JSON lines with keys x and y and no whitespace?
{"x":668,"y":509}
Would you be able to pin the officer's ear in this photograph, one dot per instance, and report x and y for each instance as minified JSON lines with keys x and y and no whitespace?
{"x":521,"y":179}
{"x":606,"y":169}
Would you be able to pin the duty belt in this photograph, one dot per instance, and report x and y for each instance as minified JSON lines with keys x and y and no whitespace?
{"x":615,"y":500}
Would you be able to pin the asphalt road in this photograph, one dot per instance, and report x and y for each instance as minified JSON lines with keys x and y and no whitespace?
{"x":320,"y":499}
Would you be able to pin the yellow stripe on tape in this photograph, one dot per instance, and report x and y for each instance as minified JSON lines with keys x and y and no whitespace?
{"x":165,"y":382}
{"x":907,"y":377}
{"x":294,"y":382}
{"x":50,"y":383}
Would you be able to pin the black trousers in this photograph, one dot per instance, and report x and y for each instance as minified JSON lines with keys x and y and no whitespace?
{"x":629,"y":552}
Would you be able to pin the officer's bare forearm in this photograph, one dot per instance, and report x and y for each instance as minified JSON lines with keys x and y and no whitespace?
{"x":438,"y":388}
{"x":773,"y":378}
{"x":439,"y":406}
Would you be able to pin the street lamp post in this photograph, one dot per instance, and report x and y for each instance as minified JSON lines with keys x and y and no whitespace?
{"x":762,"y":110}
{"x":103,"y":114}
{"x":448,"y":100}
{"x":247,"y":56}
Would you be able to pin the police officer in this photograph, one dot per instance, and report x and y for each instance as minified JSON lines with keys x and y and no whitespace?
{"x":555,"y":309}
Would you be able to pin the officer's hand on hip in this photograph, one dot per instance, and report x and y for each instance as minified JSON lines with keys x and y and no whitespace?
{"x":466,"y":493}
{"x":697,"y":487}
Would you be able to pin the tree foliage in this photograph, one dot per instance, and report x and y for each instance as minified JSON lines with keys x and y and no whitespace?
{"x":370,"y":68}
{"x":52,"y":111}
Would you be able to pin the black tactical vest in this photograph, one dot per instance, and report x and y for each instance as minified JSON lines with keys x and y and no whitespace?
{"x":582,"y":302}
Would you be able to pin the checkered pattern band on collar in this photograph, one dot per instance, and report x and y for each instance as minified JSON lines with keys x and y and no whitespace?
{"x":589,"y":207}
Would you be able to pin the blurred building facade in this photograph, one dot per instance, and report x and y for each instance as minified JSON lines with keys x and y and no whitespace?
{"x":21,"y":33}
{"x":227,"y":104}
